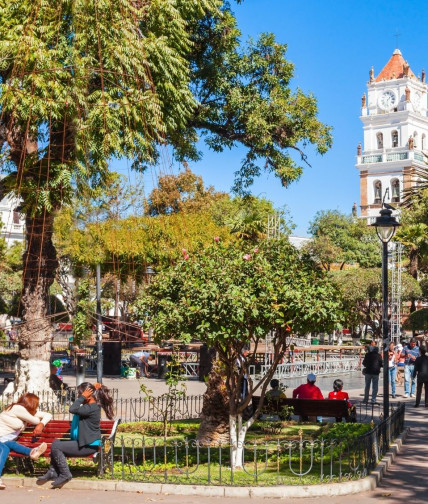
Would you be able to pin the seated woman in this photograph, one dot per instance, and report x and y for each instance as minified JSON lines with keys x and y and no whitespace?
{"x":85,"y":432}
{"x":340,"y":395}
{"x":13,"y":420}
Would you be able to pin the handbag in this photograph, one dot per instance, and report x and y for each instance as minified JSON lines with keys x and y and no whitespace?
{"x":364,"y":371}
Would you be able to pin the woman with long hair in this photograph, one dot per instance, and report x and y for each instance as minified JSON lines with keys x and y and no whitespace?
{"x":338,"y":394}
{"x":13,"y":420}
{"x":85,"y":432}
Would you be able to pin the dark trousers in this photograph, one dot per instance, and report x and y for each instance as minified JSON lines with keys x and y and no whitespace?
{"x":419,"y":386}
{"x":62,"y":449}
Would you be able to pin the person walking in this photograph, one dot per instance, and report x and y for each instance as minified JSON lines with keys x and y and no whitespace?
{"x":420,"y":372}
{"x":393,"y":358}
{"x":85,"y":432}
{"x":372,"y":363}
{"x":410,"y":354}
{"x":13,"y":420}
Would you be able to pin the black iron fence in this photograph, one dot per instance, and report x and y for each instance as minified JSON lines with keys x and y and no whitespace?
{"x":128,"y":410}
{"x":275,"y":462}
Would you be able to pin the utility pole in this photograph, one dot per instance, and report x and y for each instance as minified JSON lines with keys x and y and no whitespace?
{"x":99,"y":329}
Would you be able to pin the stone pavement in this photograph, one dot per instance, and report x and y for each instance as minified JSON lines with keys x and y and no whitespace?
{"x":406,"y":478}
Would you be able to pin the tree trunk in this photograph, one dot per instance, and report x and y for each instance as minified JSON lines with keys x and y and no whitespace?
{"x":214,"y":427}
{"x":238,"y":430}
{"x":35,"y":338}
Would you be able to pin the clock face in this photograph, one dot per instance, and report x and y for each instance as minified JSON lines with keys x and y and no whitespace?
{"x":416,"y":101}
{"x":387,"y":100}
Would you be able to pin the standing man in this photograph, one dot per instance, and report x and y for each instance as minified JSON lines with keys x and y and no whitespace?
{"x":421,"y":371}
{"x":410,"y":354}
{"x":372,"y":365}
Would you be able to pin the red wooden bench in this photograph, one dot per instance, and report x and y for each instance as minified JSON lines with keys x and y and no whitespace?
{"x":60,"y":429}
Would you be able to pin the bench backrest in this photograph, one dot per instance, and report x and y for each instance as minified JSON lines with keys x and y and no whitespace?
{"x":307,"y":407}
{"x":60,"y":429}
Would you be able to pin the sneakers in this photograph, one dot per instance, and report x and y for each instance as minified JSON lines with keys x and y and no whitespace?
{"x":38,"y":451}
{"x":412,"y":395}
{"x":406,"y":395}
{"x":393,"y":396}
{"x":2,"y":485}
{"x":60,"y":481}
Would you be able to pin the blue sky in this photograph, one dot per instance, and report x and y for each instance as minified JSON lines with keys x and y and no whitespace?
{"x":332,"y":44}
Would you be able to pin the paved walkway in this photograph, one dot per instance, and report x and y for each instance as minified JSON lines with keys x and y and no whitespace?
{"x":406,"y":480}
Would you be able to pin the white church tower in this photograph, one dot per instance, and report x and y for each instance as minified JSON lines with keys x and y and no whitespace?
{"x":395,"y":125}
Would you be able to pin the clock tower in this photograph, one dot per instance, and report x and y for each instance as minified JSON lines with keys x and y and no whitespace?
{"x":395,"y":126}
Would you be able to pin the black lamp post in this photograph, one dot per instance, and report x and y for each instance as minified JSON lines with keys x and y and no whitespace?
{"x":149,"y":273}
{"x":385,"y":225}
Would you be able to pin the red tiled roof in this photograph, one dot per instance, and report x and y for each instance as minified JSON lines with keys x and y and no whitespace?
{"x":395,"y":68}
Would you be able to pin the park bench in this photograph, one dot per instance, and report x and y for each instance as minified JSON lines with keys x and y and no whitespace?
{"x":60,"y":429}
{"x":306,"y":407}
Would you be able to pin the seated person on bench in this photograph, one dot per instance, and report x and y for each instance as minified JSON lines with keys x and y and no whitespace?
{"x":308,"y":391}
{"x":275,"y":392}
{"x":338,"y":394}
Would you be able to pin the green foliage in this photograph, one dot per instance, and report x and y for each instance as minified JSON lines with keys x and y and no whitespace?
{"x":229,"y":296}
{"x":82,"y":321}
{"x":418,"y":320}
{"x":342,"y":239}
{"x":361,"y":293}
{"x":245,"y":98}
{"x":345,"y":432}
{"x":247,"y":217}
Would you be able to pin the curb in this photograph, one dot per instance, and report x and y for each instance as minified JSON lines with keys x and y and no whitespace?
{"x":328,"y":489}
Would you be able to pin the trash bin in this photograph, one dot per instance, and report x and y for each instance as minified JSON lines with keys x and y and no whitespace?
{"x":162,"y":365}
{"x":315,"y":342}
{"x":112,"y":358}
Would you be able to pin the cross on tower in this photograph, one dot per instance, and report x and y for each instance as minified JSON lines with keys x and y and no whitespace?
{"x":397,"y":35}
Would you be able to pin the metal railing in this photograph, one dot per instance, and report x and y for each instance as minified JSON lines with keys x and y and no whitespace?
{"x":128,"y":410}
{"x":295,"y":369}
{"x":273,"y":462}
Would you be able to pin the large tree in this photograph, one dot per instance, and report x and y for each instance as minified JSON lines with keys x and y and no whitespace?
{"x":77,"y":90}
{"x":87,"y":81}
{"x":231,"y":297}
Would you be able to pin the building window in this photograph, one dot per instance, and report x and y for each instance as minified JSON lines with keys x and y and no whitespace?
{"x":378,"y":192}
{"x":394,"y":138}
{"x":379,"y":137}
{"x":423,"y":142}
{"x":15,"y":216}
{"x":415,"y":140}
{"x":395,"y":191}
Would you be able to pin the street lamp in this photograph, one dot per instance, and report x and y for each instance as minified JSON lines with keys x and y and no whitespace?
{"x":149,"y":274}
{"x":386,"y":225}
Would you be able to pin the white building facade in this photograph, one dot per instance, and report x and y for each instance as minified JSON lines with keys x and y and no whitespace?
{"x":12,"y":224}
{"x":395,"y":126}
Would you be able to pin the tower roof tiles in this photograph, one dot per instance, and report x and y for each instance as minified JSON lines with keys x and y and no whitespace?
{"x":396,"y":68}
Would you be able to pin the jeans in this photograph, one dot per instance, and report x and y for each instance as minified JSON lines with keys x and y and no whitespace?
{"x":8,"y":446}
{"x":372,"y":379}
{"x":392,"y":377}
{"x":408,"y":378}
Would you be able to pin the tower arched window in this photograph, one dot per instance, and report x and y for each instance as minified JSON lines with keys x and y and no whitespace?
{"x":394,"y":138}
{"x":15,"y":216}
{"x":423,"y":142}
{"x":379,"y":138}
{"x":395,"y":190}
{"x":415,"y":140}
{"x":378,"y":192}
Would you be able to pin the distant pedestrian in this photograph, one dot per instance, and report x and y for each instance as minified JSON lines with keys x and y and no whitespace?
{"x":410,"y":354}
{"x":372,"y":365}
{"x":393,"y":358}
{"x":420,"y":372}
